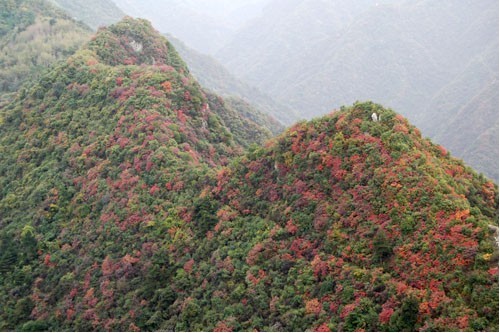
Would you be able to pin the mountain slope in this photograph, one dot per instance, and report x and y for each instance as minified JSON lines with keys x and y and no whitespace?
{"x":272,"y":44}
{"x":34,"y":35}
{"x":347,"y":224}
{"x":214,"y":76}
{"x":340,"y":223}
{"x":103,"y":153}
{"x":128,"y":202}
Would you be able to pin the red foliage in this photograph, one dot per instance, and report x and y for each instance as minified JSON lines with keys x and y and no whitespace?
{"x":337,"y":172}
{"x":47,"y":262}
{"x":133,"y":328}
{"x":105,"y":290}
{"x":442,"y":150}
{"x":222,"y":326}
{"x":313,"y":306}
{"x":493,"y":271}
{"x":255,"y":280}
{"x":128,"y":259}
{"x":291,"y":228}
{"x":154,"y":189}
{"x":226,"y":214}
{"x":122,"y":141}
{"x":226,"y":264}
{"x":463,"y":322}
{"x":347,"y":310}
{"x":188,"y":266}
{"x":73,"y":293}
{"x":320,"y":267}
{"x":89,"y":299}
{"x":254,"y":253}
{"x":70,"y":313}
{"x":322,"y":328}
{"x":167,"y":86}
{"x":385,"y":315}
{"x":301,"y":247}
{"x":107,"y":266}
{"x":92,"y":62}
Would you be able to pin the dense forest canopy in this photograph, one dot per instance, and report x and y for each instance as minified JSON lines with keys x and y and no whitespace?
{"x":132,"y":199}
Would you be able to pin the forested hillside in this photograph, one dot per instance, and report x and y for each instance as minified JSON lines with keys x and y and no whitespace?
{"x":33,"y":36}
{"x":435,"y":61}
{"x":133,"y":200}
{"x":343,"y":223}
{"x":211,"y":74}
{"x":98,"y":156}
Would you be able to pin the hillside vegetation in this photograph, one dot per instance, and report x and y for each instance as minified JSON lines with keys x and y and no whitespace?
{"x":209,"y":73}
{"x":347,"y":224}
{"x":133,"y":200}
{"x":33,"y":36}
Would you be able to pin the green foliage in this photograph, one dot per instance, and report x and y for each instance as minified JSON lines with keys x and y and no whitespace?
{"x":135,"y":42}
{"x":405,"y":318}
{"x":128,"y":203}
{"x":33,"y":36}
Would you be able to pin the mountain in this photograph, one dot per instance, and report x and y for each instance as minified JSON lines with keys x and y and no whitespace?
{"x":405,"y":54}
{"x":471,"y":98}
{"x":95,"y":13}
{"x":346,"y":224}
{"x":101,"y":153}
{"x":212,"y":75}
{"x":33,"y":36}
{"x":133,"y":200}
{"x":284,"y":35}
{"x":206,"y":69}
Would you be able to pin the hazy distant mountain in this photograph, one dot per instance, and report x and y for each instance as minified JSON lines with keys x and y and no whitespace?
{"x":212,"y":75}
{"x":95,"y":13}
{"x":317,"y":55}
{"x":277,"y":41}
{"x":467,"y":121}
{"x":203,"y":25}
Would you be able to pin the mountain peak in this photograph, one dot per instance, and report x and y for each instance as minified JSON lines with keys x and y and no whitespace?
{"x":135,"y":42}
